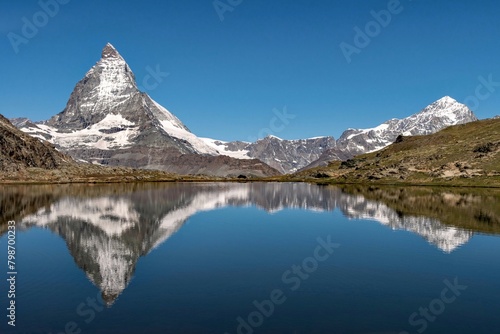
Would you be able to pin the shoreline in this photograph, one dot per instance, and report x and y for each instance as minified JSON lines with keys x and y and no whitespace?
{"x":200,"y":179}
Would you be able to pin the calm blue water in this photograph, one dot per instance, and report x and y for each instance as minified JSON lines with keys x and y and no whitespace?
{"x":250,"y":258}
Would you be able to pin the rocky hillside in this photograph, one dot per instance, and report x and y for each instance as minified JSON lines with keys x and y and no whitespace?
{"x":467,"y":154}
{"x":20,"y":151}
{"x":27,"y":159}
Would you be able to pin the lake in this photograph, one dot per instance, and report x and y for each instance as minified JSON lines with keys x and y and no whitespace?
{"x":251,"y":258}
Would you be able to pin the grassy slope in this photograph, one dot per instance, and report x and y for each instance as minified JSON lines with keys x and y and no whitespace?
{"x":462,"y":155}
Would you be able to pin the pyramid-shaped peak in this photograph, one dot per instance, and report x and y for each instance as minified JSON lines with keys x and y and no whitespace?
{"x":446,"y":99}
{"x":109,"y":51}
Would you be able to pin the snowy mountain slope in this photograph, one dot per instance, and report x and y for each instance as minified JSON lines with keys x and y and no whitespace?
{"x":437,"y":116}
{"x":236,"y":149}
{"x":433,"y":118}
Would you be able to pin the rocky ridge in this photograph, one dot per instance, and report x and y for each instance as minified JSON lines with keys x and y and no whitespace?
{"x":289,"y":156}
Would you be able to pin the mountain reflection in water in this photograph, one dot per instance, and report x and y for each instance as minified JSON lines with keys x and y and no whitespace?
{"x":107,"y":228}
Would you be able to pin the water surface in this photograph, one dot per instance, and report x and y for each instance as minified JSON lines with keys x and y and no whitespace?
{"x":253,"y":258}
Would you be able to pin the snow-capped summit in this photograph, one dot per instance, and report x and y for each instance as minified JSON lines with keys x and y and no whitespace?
{"x":438,"y":115}
{"x":109,"y":51}
{"x":109,"y":87}
{"x":108,"y":84}
{"x":446,"y":100}
{"x":444,"y":112}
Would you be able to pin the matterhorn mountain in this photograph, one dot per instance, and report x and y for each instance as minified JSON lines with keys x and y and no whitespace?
{"x":108,"y":121}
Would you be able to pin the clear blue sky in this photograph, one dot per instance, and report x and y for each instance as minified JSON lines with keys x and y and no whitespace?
{"x":226,"y":77}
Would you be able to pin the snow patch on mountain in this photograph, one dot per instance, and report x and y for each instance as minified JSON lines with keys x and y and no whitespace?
{"x":112,"y":132}
{"x":165,"y":115}
{"x":198,"y":144}
{"x":222,"y":147}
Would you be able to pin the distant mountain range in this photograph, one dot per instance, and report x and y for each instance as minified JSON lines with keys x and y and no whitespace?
{"x":291,"y":155}
{"x":108,"y":121}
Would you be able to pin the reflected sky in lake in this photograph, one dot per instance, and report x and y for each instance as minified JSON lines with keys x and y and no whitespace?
{"x":191,"y":258}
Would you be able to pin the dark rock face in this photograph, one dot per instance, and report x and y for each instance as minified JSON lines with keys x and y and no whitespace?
{"x":109,"y":52}
{"x":326,"y":157}
{"x":18,"y":150}
{"x":220,"y":166}
{"x":290,"y":155}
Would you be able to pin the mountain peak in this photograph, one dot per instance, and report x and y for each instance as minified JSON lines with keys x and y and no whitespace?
{"x":109,"y":51}
{"x":446,"y":99}
{"x":273,"y":137}
{"x":438,"y":115}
